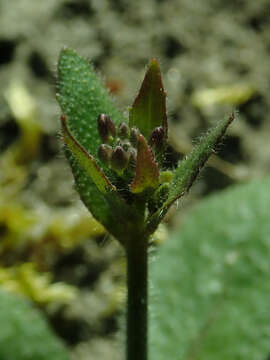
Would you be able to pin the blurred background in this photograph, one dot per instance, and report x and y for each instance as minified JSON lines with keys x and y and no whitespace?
{"x":214,"y":57}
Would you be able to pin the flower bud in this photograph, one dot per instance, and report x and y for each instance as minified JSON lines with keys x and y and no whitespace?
{"x":111,"y":126}
{"x":156,"y":138}
{"x":123,"y":130}
{"x":134,"y":136}
{"x":119,"y":159}
{"x":106,"y":128}
{"x":126,"y":145}
{"x":105,"y":153}
{"x":132,"y":158}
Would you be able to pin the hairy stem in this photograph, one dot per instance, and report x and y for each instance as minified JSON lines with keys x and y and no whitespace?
{"x":137,"y":299}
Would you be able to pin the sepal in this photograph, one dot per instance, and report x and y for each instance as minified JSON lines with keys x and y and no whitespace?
{"x":147,"y":173}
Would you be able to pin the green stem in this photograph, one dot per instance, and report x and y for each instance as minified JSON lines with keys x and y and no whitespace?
{"x":137,"y":299}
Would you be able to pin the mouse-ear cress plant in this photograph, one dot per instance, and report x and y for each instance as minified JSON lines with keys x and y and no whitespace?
{"x":120,"y":169}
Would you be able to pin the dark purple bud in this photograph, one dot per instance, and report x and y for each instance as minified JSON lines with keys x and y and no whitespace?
{"x":103,"y":129}
{"x":119,"y":159}
{"x":134,"y":136}
{"x":156,"y":138}
{"x":106,"y":127}
{"x":123,"y":130}
{"x":111,"y":126}
{"x":105,"y":153}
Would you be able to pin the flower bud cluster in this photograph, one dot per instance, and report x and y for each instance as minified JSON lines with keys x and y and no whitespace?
{"x":118,"y":150}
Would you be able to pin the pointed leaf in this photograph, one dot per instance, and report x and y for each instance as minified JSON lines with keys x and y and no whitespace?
{"x":86,"y":160}
{"x":147,"y":173}
{"x":149,"y":108}
{"x":189,"y":168}
{"x":82,"y":97}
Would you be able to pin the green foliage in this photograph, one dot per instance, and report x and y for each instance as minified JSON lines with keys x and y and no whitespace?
{"x":86,"y":161}
{"x":211,"y":280}
{"x":116,"y":167}
{"x":24,"y":333}
{"x":149,"y":108}
{"x":83,"y":98}
{"x":188,"y":169}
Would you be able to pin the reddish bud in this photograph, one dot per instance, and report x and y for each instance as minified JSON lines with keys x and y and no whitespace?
{"x":103,"y":128}
{"x":111,"y":126}
{"x":106,"y":127}
{"x":105,"y":153}
{"x":134,"y":136}
{"x":123,"y":130}
{"x":119,"y":159}
{"x":156,"y":138}
{"x":132,"y":158}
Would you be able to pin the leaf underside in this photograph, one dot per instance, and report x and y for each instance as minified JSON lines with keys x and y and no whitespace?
{"x":149,"y":108}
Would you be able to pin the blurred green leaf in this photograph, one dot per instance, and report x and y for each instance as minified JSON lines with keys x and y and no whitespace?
{"x":211,"y":281}
{"x":235,"y":95}
{"x":24,"y":333}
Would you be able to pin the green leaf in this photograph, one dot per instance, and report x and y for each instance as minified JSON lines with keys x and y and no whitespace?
{"x":149,"y":108}
{"x":211,"y":281}
{"x":25,"y":334}
{"x":189,"y":168}
{"x":147,"y":173}
{"x":86,"y":161}
{"x":82,"y":97}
